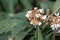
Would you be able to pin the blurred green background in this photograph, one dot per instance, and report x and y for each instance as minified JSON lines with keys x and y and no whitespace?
{"x":12,"y":16}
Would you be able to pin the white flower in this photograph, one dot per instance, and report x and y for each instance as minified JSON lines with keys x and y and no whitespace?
{"x":52,"y":26}
{"x":58,"y":25}
{"x":29,"y":11}
{"x":44,"y":17}
{"x":57,"y":14}
{"x":31,"y":22}
{"x":58,"y":19}
{"x":35,"y":8}
{"x":41,"y":10}
{"x":38,"y":15}
{"x":34,"y":24}
{"x":55,"y":26}
{"x":27,"y":15}
{"x":40,"y":23}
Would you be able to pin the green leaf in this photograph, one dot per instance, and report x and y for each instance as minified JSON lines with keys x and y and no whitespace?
{"x":8,"y":5}
{"x":56,"y":6}
{"x":32,"y":38}
{"x":38,"y":34}
{"x":46,"y":5}
{"x":21,"y":15}
{"x":7,"y":24}
{"x":22,"y":34}
{"x":26,"y":4}
{"x":2,"y":15}
{"x":10,"y":8}
{"x":4,"y":36}
{"x":48,"y":36}
{"x":21,"y":26}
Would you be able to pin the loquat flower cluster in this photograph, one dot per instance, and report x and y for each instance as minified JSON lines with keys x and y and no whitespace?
{"x":36,"y":15}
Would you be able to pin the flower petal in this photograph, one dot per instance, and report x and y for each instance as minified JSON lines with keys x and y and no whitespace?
{"x":41,"y":10}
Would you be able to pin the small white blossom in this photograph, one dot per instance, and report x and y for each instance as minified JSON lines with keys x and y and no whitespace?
{"x":52,"y":26}
{"x":34,"y":24}
{"x":27,"y":15}
{"x":57,"y":14}
{"x":35,"y":8}
{"x":58,"y":19}
{"x":55,"y":26}
{"x":31,"y":22}
{"x":44,"y":17}
{"x":40,"y":23}
{"x":38,"y":15}
{"x":58,"y":25}
{"x":41,"y":10}
{"x":29,"y":11}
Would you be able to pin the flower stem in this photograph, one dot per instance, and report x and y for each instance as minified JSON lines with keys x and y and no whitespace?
{"x":38,"y":34}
